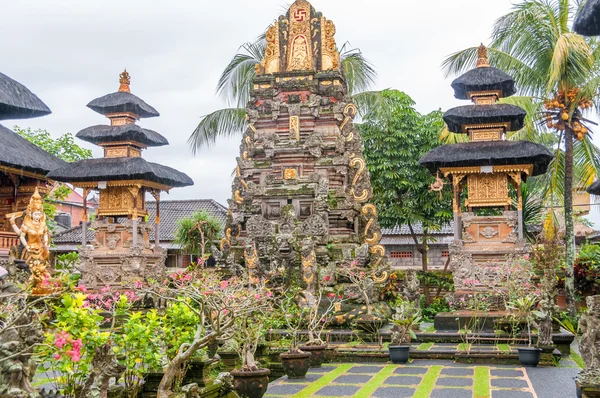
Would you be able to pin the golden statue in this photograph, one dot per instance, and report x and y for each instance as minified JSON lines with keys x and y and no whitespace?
{"x":33,"y":234}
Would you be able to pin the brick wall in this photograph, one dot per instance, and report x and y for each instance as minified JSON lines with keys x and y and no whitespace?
{"x":407,"y":255}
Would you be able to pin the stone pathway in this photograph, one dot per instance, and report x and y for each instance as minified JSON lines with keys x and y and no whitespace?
{"x":424,"y":379}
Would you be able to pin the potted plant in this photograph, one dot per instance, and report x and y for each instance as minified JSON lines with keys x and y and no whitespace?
{"x":295,"y":361}
{"x":316,"y":320}
{"x":524,"y":309}
{"x":405,"y":318}
{"x":364,"y":280}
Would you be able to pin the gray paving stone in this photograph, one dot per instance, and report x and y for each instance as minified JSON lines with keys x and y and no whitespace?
{"x":403,"y":380}
{"x":509,"y":383}
{"x":553,"y":382}
{"x":337,"y":391}
{"x":410,"y":370}
{"x":394,"y":392}
{"x":454,"y":381}
{"x":308,"y":379}
{"x":285,"y":389}
{"x":322,"y":369}
{"x":506,"y":373}
{"x":515,"y":394}
{"x":369,"y":369}
{"x":352,"y":379}
{"x":450,"y":393}
{"x":457,"y":372}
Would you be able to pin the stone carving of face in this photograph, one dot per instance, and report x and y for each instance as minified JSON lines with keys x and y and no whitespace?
{"x":37,"y":216}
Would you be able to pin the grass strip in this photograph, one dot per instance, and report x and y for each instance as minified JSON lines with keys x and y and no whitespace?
{"x":504,"y":348}
{"x":430,"y":329}
{"x":428,"y":382}
{"x":577,"y":359}
{"x":376,"y":382}
{"x":424,"y":346}
{"x":323,"y":381}
{"x":482,"y":382}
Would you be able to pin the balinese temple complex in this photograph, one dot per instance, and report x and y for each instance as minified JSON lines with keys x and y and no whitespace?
{"x":23,"y":169}
{"x":301,"y":193}
{"x":486,"y":174}
{"x":122,"y":250}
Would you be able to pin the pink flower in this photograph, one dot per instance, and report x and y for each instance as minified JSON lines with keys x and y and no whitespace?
{"x":75,"y":355}
{"x":60,"y":339}
{"x":483,"y":299}
{"x":82,"y":288}
{"x":225,"y":311}
{"x":77,"y":344}
{"x":330,"y":295}
{"x":526,"y":257}
{"x":462,"y":299}
{"x":56,"y":356}
{"x":269,"y":294}
{"x":105,"y":289}
{"x":224,"y":284}
{"x":137,"y":284}
{"x":340,"y":296}
{"x":451,"y":303}
{"x":257,"y":296}
{"x":327,"y":278}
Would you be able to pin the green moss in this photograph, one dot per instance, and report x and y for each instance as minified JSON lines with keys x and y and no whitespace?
{"x":376,"y":382}
{"x":424,"y":346}
{"x":426,"y":386}
{"x":430,"y":329}
{"x":577,"y":359}
{"x":262,"y":164}
{"x":332,"y":201}
{"x":503,"y":348}
{"x":464,"y":347}
{"x":482,"y":382}
{"x":323,"y":381}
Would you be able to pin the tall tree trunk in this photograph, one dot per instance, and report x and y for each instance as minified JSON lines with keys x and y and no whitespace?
{"x":424,"y":261}
{"x":569,"y":227}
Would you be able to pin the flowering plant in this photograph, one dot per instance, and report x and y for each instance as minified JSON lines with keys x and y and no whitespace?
{"x":319,"y":315}
{"x":364,"y":279}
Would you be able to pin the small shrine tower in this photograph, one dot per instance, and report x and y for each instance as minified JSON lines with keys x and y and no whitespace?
{"x":122,"y":249}
{"x":488,"y":219}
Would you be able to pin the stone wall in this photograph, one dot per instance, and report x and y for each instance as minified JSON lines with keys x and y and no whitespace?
{"x":403,"y":256}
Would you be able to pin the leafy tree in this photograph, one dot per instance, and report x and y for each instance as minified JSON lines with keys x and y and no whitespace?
{"x":534,"y":44}
{"x":235,"y":85}
{"x":198,"y":234}
{"x":395,"y":136}
{"x":63,"y":147}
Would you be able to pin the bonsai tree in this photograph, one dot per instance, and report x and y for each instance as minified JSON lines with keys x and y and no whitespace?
{"x":317,"y":319}
{"x":198,"y":234}
{"x":292,"y":317}
{"x":364,"y":279}
{"x":405,"y":318}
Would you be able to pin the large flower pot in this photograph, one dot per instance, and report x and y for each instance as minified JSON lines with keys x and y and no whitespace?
{"x":251,"y":384}
{"x":529,"y":356}
{"x":295,"y":364}
{"x":586,"y":390}
{"x":317,"y":354}
{"x":399,"y":353}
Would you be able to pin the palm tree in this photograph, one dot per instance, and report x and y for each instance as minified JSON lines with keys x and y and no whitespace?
{"x":534,"y":44}
{"x":235,"y":85}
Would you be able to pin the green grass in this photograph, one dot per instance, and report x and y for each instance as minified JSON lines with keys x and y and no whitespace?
{"x":426,"y":386}
{"x":464,"y":347}
{"x":430,"y":329}
{"x":424,"y":346}
{"x":482,"y":382}
{"x":373,"y":384}
{"x":503,"y":348}
{"x":353,"y":343}
{"x":323,"y":381}
{"x":577,"y":359}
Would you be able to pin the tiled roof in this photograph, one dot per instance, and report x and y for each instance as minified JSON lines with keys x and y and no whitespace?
{"x":170,"y":212}
{"x":447,"y":229}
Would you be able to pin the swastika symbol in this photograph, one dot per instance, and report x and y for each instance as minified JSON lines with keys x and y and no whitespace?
{"x":299,"y":15}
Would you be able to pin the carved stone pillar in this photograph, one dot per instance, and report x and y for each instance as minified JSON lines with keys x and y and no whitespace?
{"x":156,"y":195}
{"x":84,"y":218}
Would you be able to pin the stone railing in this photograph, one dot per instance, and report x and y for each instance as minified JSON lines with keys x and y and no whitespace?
{"x":8,"y":240}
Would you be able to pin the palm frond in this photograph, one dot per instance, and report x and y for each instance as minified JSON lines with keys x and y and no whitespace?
{"x":359,"y":71}
{"x":367,"y":101}
{"x":222,"y":123}
{"x":571,"y":62}
{"x":448,"y":137}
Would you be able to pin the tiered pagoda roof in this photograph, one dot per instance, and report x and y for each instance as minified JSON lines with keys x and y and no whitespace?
{"x":587,"y":22}
{"x":486,"y":122}
{"x":123,"y":142}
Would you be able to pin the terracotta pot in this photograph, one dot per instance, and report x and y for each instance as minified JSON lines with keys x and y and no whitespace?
{"x":318,"y":354}
{"x":561,"y":301}
{"x":295,"y":364}
{"x":251,"y":384}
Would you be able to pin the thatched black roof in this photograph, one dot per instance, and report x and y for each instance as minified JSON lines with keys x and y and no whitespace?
{"x":455,"y":118}
{"x":127,"y":132}
{"x":587,"y":22}
{"x":122,"y":102}
{"x":594,"y":189}
{"x":17,"y":102}
{"x":111,"y":169}
{"x":488,"y":153}
{"x":483,"y":79}
{"x":18,"y":153}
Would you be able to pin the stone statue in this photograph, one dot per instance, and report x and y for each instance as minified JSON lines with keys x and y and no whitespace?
{"x":547,"y":307}
{"x":589,"y":345}
{"x":33,"y":235}
{"x":104,"y":367}
{"x":411,"y":291}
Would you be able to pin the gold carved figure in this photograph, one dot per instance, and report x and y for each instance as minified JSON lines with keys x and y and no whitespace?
{"x":33,"y":235}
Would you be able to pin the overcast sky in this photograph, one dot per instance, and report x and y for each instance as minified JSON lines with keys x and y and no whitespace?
{"x":70,"y":52}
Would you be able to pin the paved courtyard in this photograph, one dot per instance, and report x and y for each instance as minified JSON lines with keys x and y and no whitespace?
{"x":435,"y":379}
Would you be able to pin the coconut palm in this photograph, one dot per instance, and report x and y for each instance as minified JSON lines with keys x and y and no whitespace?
{"x":235,"y":85}
{"x":534,"y":43}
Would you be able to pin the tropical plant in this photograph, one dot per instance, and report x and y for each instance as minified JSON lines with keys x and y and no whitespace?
{"x":523,"y":309}
{"x":198,"y":234}
{"x":405,"y":318}
{"x":235,"y":86}
{"x":557,"y":71}
{"x":395,"y":136}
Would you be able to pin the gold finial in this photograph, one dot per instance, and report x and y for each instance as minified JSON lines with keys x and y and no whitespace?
{"x":125,"y":80}
{"x":482,"y":57}
{"x":35,"y":202}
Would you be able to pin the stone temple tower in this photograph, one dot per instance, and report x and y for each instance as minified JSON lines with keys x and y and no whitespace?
{"x":300,"y":197}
